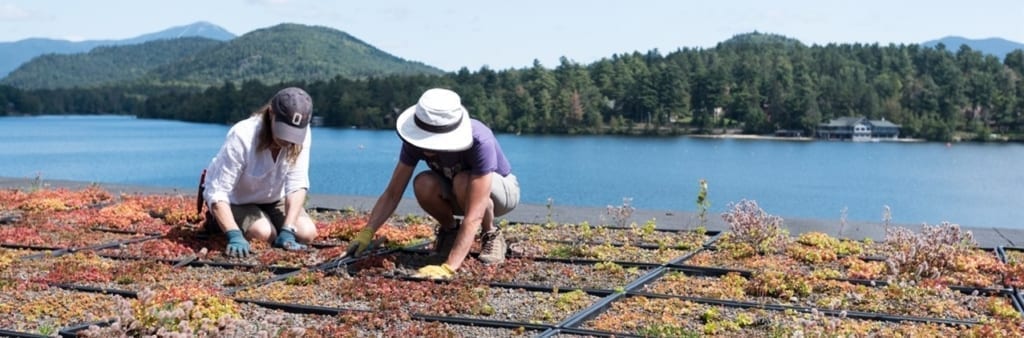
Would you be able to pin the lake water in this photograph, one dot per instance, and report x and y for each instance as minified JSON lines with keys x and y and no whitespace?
{"x":968,"y":184}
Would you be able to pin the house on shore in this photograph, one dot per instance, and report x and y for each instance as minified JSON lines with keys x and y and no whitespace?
{"x":857,"y":129}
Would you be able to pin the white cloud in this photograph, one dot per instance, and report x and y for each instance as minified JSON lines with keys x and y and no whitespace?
{"x":11,"y":12}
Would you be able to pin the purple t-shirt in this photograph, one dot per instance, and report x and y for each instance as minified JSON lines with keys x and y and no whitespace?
{"x":483,"y":157}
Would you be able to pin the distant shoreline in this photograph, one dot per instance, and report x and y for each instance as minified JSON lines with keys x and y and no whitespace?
{"x":791,"y":138}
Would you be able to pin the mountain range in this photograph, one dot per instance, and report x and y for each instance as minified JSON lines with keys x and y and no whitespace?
{"x":997,"y":47}
{"x":281,"y":53}
{"x":14,"y":54}
{"x":203,"y":54}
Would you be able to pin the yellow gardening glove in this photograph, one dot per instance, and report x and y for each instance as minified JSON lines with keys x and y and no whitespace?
{"x":360,"y":242}
{"x":442,"y":271}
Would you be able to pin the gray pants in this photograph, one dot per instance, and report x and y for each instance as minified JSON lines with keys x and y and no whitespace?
{"x":504,"y":194}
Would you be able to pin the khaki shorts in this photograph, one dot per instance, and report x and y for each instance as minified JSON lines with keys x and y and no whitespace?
{"x":247,"y":214}
{"x":504,"y":194}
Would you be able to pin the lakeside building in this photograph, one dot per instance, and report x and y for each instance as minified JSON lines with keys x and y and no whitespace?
{"x":857,"y":129}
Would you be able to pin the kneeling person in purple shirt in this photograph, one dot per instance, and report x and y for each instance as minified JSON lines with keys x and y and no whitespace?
{"x":469,"y":176}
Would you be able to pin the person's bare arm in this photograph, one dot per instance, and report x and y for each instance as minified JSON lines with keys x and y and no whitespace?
{"x":479,"y":198}
{"x":392,"y":195}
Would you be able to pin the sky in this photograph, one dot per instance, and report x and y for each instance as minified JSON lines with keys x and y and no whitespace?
{"x":512,"y":34}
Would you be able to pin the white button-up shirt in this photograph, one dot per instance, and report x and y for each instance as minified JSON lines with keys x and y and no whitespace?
{"x":241,"y":174}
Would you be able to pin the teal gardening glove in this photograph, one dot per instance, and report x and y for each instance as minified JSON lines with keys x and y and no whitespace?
{"x":360,"y":242}
{"x":286,"y":239}
{"x":237,"y":245}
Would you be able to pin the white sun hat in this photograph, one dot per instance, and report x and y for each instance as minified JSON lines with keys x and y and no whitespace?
{"x":437,"y":122}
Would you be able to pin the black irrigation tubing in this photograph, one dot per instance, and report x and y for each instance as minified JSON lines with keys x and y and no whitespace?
{"x":30,"y":247}
{"x":275,"y":269}
{"x":54,"y":251}
{"x":335,"y":264}
{"x":507,"y":285}
{"x":326,"y":209}
{"x":970,"y":290}
{"x":71,"y":331}
{"x":865,"y":282}
{"x":186,"y":261}
{"x":712,"y":269}
{"x":44,"y":254}
{"x":325,"y":245}
{"x":584,"y":260}
{"x":126,"y":232}
{"x":276,"y":278}
{"x":620,"y":244}
{"x":596,"y":333}
{"x":342,"y":263}
{"x":417,"y":279}
{"x":102,"y":246}
{"x":480,"y":322}
{"x":896,"y":318}
{"x":10,"y":218}
{"x":43,"y":251}
{"x":300,"y":308}
{"x":624,"y":264}
{"x":92,"y":289}
{"x":137,"y":258}
{"x":550,"y":288}
{"x":10,"y":333}
{"x":345,"y":261}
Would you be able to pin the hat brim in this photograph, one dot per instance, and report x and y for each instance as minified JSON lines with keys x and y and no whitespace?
{"x":288,"y":133}
{"x":456,"y":140}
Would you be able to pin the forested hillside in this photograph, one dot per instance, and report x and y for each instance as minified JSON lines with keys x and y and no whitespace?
{"x":14,"y":54}
{"x":104,"y":66}
{"x":286,"y":52}
{"x":754,"y":82}
{"x":289,"y":52}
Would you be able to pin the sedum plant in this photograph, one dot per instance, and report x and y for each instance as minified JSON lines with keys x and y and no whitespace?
{"x":753,"y":231}
{"x":929,"y":253}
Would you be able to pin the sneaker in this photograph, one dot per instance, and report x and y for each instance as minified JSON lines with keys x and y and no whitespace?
{"x":492,"y":247}
{"x":444,"y":239}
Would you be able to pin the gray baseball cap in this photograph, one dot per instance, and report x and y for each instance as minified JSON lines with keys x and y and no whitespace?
{"x":293,"y":108}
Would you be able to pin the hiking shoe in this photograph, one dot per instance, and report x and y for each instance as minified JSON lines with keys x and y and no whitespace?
{"x":444,"y":239}
{"x":492,"y":247}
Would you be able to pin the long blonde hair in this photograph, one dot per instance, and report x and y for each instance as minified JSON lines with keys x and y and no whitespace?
{"x":266,"y":135}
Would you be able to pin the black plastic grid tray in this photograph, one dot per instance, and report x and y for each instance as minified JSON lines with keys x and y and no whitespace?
{"x":654,"y":275}
{"x":573,"y":327}
{"x":713,"y":235}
